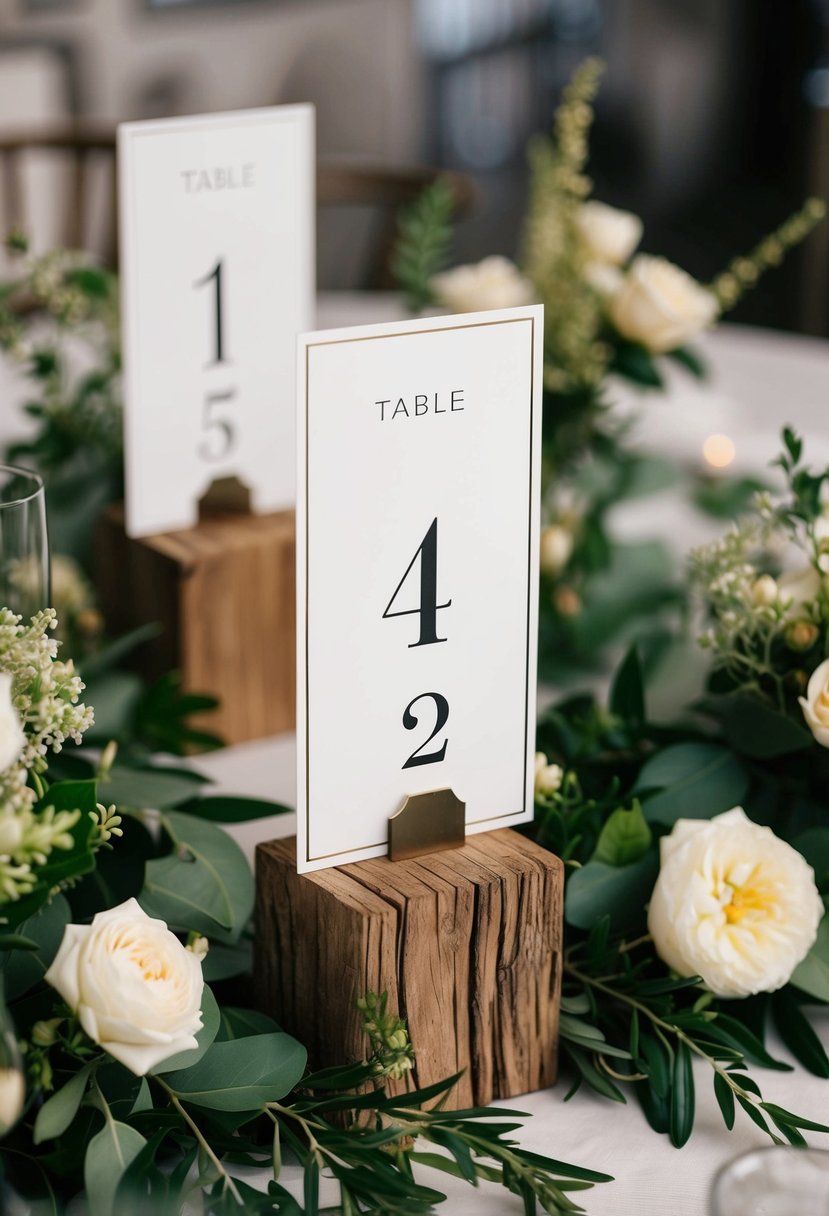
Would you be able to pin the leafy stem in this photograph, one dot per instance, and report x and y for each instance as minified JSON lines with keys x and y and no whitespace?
{"x":661,"y":1026}
{"x":202,"y":1142}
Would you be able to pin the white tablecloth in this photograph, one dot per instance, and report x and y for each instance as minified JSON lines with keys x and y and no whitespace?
{"x":759,"y":381}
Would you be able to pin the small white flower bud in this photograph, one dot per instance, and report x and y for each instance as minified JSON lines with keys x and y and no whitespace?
{"x":764,"y":591}
{"x":556,"y":548}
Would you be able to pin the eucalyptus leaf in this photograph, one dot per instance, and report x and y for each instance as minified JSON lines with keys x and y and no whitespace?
{"x":205,"y":885}
{"x":107,"y":1158}
{"x":693,"y":780}
{"x":57,"y":1112}
{"x":621,"y":892}
{"x":243,"y":1074}
{"x":146,"y":788}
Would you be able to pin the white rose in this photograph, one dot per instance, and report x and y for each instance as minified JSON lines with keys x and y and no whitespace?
{"x":134,"y":987}
{"x":556,"y":548}
{"x":661,"y":306}
{"x":815,"y":704}
{"x":12,"y":739}
{"x":608,"y":234}
{"x":733,"y":904}
{"x":495,"y":282}
{"x":605,"y":279}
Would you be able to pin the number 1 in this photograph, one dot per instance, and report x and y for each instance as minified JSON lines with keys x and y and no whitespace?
{"x":216,"y":273}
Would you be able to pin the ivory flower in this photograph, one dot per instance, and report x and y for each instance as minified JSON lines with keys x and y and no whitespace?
{"x":495,"y":282}
{"x":661,"y":306}
{"x":12,"y":739}
{"x":134,"y":987}
{"x":608,"y":234}
{"x":548,"y":777}
{"x":733,"y":904}
{"x":815,"y":704}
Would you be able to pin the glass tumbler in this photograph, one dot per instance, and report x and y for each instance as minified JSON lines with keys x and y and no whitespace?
{"x":774,"y":1181}
{"x":24,"y":542}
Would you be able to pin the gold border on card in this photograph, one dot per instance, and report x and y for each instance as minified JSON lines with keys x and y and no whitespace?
{"x":405,"y":333}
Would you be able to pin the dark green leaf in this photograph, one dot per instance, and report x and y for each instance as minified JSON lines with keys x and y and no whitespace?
{"x":224,"y":809}
{"x":755,"y":729}
{"x":690,"y":359}
{"x":21,"y":970}
{"x":627,"y":693}
{"x":725,"y":1099}
{"x":796,"y":1032}
{"x":682,"y":1096}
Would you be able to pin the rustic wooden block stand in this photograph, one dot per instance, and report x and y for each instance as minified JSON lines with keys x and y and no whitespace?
{"x":223,"y":593}
{"x":467,"y":943}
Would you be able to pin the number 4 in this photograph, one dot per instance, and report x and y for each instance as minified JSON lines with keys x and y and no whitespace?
{"x":429,"y":607}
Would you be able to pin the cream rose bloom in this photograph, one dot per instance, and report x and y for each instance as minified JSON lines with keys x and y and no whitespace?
{"x":608,"y":234}
{"x":733,"y":904}
{"x":661,"y":306}
{"x":12,"y":739}
{"x":495,"y":282}
{"x":815,"y":704}
{"x":134,"y":987}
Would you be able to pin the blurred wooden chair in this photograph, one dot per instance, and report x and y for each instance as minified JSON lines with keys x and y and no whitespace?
{"x":79,"y":153}
{"x":384,"y":190}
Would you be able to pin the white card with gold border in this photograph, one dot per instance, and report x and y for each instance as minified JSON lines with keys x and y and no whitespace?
{"x":217,"y":264}
{"x":417,"y":574}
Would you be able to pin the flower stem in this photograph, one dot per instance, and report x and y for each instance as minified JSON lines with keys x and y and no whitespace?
{"x":202,"y":1142}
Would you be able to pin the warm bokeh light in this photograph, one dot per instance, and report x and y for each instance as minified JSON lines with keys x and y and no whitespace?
{"x":719,"y":451}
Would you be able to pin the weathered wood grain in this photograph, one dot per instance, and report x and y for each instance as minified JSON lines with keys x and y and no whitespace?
{"x":467,"y":943}
{"x":210,"y":588}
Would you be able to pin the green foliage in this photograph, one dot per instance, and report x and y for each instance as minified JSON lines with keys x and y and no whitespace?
{"x":423,"y":242}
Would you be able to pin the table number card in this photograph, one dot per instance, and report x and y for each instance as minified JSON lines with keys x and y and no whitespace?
{"x":417,"y":542}
{"x":217,"y":258}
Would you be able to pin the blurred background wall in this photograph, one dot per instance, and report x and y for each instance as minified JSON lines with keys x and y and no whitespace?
{"x":711,"y":122}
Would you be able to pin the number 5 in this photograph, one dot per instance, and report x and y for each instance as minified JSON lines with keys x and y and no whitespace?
{"x":221,"y":429}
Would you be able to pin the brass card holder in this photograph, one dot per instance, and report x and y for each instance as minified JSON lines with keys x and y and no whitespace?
{"x":427,"y":823}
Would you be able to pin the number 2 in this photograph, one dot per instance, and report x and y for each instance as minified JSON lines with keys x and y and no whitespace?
{"x":410,"y":721}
